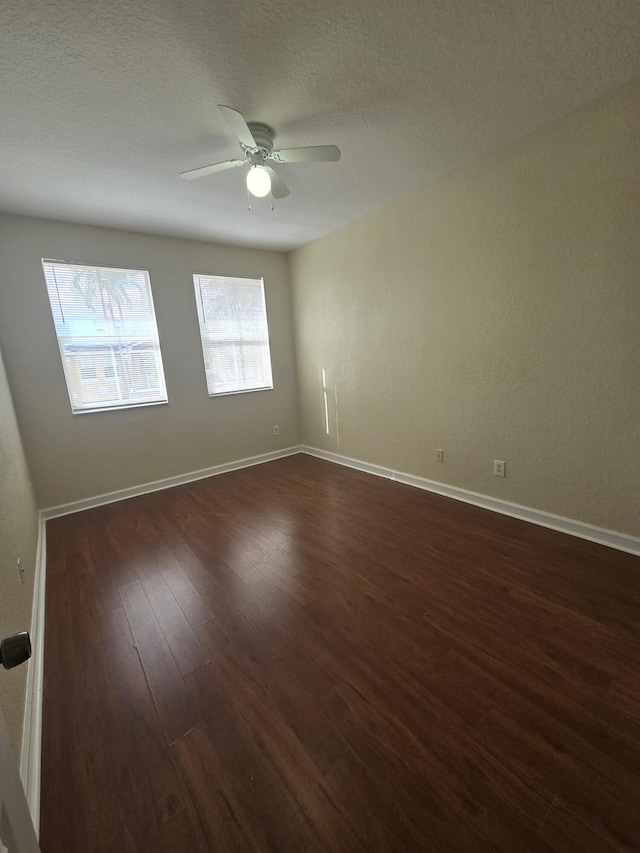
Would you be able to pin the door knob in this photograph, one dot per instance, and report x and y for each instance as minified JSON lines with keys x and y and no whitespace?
{"x":15,"y":649}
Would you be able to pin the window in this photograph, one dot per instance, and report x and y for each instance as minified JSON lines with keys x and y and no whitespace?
{"x":234,"y":332}
{"x":107,"y":333}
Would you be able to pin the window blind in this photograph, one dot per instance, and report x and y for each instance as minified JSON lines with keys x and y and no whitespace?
{"x":107,"y":334}
{"x":234,"y":332}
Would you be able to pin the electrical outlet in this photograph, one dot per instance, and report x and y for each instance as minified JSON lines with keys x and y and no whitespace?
{"x":439,"y":455}
{"x":276,"y":430}
{"x":499,"y":467}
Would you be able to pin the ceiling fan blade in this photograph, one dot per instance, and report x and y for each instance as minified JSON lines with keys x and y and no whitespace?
{"x":278,"y":187}
{"x":238,"y":125}
{"x":208,"y":170}
{"x":312,"y":154}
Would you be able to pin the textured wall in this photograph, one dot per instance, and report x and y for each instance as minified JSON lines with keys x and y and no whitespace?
{"x":495,"y":314}
{"x":18,"y":538}
{"x":78,"y":456}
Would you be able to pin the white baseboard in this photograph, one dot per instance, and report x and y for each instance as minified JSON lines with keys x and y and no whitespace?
{"x":620,"y":541}
{"x":167,"y":483}
{"x":30,"y":754}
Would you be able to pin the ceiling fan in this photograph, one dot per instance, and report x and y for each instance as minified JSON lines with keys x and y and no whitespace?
{"x":256,"y":141}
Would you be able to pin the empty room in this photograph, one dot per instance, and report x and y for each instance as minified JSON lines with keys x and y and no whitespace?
{"x":320,"y":427}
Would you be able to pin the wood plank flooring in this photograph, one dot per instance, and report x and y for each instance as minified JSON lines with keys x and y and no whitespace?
{"x":301,"y":657}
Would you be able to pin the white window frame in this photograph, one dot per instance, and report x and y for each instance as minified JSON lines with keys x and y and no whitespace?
{"x":101,"y":345}
{"x":201,"y":280}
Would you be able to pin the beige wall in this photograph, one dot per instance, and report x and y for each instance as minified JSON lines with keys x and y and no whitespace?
{"x":18,"y":538}
{"x":494,"y":314}
{"x":78,"y":456}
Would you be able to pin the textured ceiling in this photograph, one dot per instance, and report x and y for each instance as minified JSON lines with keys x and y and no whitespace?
{"x":103,"y":104}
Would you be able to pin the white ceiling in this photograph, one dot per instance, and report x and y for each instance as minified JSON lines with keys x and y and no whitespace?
{"x":104,"y":102}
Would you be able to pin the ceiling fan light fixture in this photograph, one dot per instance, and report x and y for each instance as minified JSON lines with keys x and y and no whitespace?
{"x":258,"y":181}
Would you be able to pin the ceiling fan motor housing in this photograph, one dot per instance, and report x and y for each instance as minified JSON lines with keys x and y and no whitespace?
{"x":263,"y":135}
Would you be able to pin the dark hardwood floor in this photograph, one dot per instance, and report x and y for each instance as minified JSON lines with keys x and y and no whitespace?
{"x":301,"y":657}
